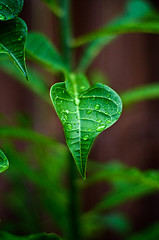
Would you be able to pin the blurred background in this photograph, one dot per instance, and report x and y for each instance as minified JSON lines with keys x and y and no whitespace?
{"x":131,"y":60}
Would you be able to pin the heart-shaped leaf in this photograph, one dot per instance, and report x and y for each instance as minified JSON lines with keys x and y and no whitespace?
{"x":84,"y":112}
{"x":12,"y":39}
{"x":10,"y":9}
{"x":40,"y":236}
{"x":4,"y":164}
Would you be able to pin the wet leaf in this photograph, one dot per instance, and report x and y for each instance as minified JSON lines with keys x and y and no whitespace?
{"x":4,"y":164}
{"x":12,"y":40}
{"x":10,"y":9}
{"x":84,"y":112}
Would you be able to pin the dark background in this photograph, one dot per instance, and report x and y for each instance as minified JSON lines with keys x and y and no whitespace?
{"x":129,"y":61}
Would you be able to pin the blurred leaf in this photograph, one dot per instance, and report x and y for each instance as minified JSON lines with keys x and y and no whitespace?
{"x":139,"y":17}
{"x":36,"y":81}
{"x":29,"y":135}
{"x":4,"y":164}
{"x":10,"y":9}
{"x":52,"y":4}
{"x":149,"y":233}
{"x":84,"y":112}
{"x":40,"y":236}
{"x":116,"y":171}
{"x":40,"y":49}
{"x":134,"y":10}
{"x":146,"y":92}
{"x":93,"y":223}
{"x":12,"y":39}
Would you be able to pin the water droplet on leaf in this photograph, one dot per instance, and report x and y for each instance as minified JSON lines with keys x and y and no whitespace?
{"x":100,"y":128}
{"x":97,"y":106}
{"x":67,"y":111}
{"x":99,"y":120}
{"x":89,"y":111}
{"x":69,"y":126}
{"x":85,"y":137}
{"x":77,"y":101}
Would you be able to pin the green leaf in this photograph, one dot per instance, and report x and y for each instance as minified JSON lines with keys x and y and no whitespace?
{"x":84,"y":112}
{"x":4,"y":164}
{"x":12,"y":39}
{"x":139,"y":17}
{"x":10,"y":9}
{"x":41,"y":50}
{"x":40,"y":236}
{"x":54,"y":7}
{"x":134,"y":10}
{"x":141,"y":93}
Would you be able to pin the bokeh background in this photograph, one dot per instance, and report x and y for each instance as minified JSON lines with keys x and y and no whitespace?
{"x":130,"y":60}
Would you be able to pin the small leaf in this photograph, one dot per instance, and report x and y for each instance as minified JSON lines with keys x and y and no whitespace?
{"x":12,"y":39}
{"x":40,"y":49}
{"x":10,"y":9}
{"x":84,"y":115}
{"x":4,"y":164}
{"x":40,"y":236}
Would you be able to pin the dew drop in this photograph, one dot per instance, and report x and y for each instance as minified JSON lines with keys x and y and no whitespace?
{"x":77,"y":117}
{"x":99,"y":120}
{"x":20,"y":38}
{"x":85,"y":138}
{"x":67,"y":111}
{"x":69,"y":126}
{"x":97,"y":106}
{"x":89,"y":111}
{"x":77,"y":101}
{"x":100,"y":128}
{"x":89,"y":130}
{"x":94,"y":98}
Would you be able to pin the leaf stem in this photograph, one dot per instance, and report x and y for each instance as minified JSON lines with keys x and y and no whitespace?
{"x":73,"y":208}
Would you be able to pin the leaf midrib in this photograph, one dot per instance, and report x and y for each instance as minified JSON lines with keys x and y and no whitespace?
{"x":78,"y":116}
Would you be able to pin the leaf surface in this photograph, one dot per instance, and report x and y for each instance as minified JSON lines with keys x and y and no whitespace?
{"x":41,"y":50}
{"x":10,"y":9}
{"x":12,"y":40}
{"x":84,"y":114}
{"x":40,"y":236}
{"x":4,"y":164}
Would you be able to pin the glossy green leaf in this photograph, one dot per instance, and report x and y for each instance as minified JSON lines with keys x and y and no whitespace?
{"x":84,"y":112}
{"x":41,"y":50}
{"x":10,"y":9}
{"x":134,"y":10}
{"x":4,"y":164}
{"x":12,"y":40}
{"x":54,"y":7}
{"x":40,"y":236}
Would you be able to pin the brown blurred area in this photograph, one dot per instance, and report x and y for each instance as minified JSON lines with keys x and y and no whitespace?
{"x":129,"y":61}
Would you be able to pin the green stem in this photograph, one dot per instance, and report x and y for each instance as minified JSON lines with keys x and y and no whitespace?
{"x":73,"y":208}
{"x":66,"y":33}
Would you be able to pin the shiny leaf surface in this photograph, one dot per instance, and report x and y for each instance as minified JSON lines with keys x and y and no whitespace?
{"x":84,"y":112}
{"x":12,"y":40}
{"x":4,"y":164}
{"x":10,"y":9}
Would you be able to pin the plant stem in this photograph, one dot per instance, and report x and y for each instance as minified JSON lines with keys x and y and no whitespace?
{"x":73,"y":232}
{"x":66,"y":33}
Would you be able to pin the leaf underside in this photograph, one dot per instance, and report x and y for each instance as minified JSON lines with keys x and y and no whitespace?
{"x":4,"y":164}
{"x":10,"y":9}
{"x":12,"y":39}
{"x":85,"y":116}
